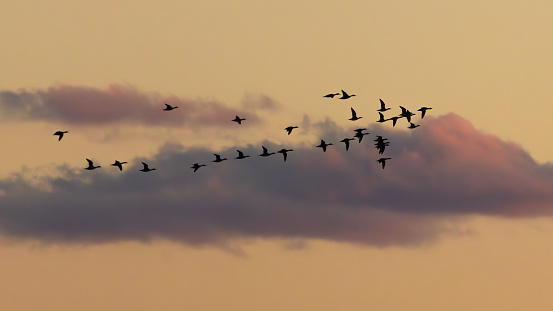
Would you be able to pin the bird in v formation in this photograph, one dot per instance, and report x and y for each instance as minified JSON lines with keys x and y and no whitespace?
{"x":380,"y":144}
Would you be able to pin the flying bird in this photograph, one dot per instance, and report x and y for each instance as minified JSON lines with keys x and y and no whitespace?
{"x":146,"y":168}
{"x":394,"y":120}
{"x":290,"y":128}
{"x":241,"y":155}
{"x":354,"y":115}
{"x":346,"y":95}
{"x":323,"y":145}
{"x":382,"y":106}
{"x":383,"y":161}
{"x":238,"y":120}
{"x":91,"y":165}
{"x":423,"y":111}
{"x":218,"y":158}
{"x":406,"y":113}
{"x":346,"y":141}
{"x":169,"y":107}
{"x":331,"y":95}
{"x":265,"y":153}
{"x":359,"y":134}
{"x":196,"y":166}
{"x":381,"y":118}
{"x":284,"y":153}
{"x":412,"y":126}
{"x":60,"y":134}
{"x":119,"y":164}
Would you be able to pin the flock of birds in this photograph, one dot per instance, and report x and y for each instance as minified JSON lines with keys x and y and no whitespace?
{"x":380,"y":142}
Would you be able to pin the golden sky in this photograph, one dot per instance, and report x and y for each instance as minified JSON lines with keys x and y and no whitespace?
{"x":102,"y":70}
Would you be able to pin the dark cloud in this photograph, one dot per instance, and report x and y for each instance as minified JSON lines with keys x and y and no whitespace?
{"x":120,"y":103}
{"x":439,"y":173}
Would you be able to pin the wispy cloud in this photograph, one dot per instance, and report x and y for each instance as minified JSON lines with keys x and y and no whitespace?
{"x":121,"y":103}
{"x":442,"y":171}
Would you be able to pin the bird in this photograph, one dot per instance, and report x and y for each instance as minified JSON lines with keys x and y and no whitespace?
{"x":169,"y":107}
{"x":412,"y":126}
{"x":346,"y":141}
{"x":383,"y":161}
{"x":331,"y":95}
{"x":284,"y":152}
{"x":406,"y":113}
{"x":196,"y":166}
{"x":394,"y":120}
{"x":423,"y":111}
{"x":238,"y":120}
{"x":359,"y":134}
{"x":381,"y":118}
{"x":354,"y":115}
{"x":323,"y":145}
{"x":60,"y":134}
{"x":345,"y":95}
{"x":265,"y":153}
{"x":381,"y":144}
{"x":382,"y":106}
{"x":91,"y":165}
{"x":290,"y":128}
{"x":241,"y":155}
{"x":119,"y":164}
{"x":146,"y":168}
{"x":218,"y":158}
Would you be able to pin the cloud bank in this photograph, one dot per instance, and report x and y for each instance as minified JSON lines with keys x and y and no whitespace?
{"x":123,"y":104}
{"x":440,"y":172}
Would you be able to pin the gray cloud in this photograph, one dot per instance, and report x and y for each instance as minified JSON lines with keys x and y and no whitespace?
{"x":120,"y":103}
{"x":438,"y":174}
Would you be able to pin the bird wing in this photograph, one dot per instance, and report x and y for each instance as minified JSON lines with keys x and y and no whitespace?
{"x":90,"y":162}
{"x":145,"y":166}
{"x":353,"y":114}
{"x":382,"y":105}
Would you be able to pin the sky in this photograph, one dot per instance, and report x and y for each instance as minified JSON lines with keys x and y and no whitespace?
{"x":459,"y":218}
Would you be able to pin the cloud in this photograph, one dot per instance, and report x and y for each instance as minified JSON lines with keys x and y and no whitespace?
{"x":120,"y":103}
{"x":439,"y":173}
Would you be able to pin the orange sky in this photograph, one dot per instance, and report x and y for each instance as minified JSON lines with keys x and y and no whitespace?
{"x":488,"y":62}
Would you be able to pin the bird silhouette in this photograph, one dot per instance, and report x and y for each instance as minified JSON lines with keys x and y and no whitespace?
{"x":383,"y":161}
{"x":346,"y":95}
{"x":196,"y":166}
{"x":60,"y":134}
{"x":323,"y":145}
{"x":91,"y":165}
{"x":218,"y":158}
{"x":359,"y":134}
{"x":406,"y":113}
{"x":284,"y":153}
{"x":354,"y":115}
{"x":423,"y":111}
{"x":290,"y":128}
{"x":381,"y":118}
{"x":169,"y":107}
{"x":146,"y":168}
{"x":119,"y":164}
{"x":382,"y":106}
{"x":241,"y":155}
{"x":265,"y":153}
{"x":331,"y":95}
{"x":238,"y":120}
{"x":394,"y":120}
{"x":346,"y":142}
{"x":412,"y":126}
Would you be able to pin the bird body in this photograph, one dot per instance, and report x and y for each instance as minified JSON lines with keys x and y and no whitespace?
{"x":290,"y":128}
{"x":406,"y":113}
{"x":394,"y":120}
{"x":382,"y":106}
{"x":331,"y":95}
{"x":354,"y":115}
{"x":238,"y":120}
{"x":383,"y":161}
{"x":381,"y":118}
{"x":265,"y":152}
{"x":91,"y":165}
{"x":284,"y":153}
{"x":196,"y":166}
{"x":346,"y":95}
{"x":346,"y":142}
{"x":119,"y":164}
{"x":241,"y":155}
{"x":169,"y":107}
{"x":60,"y":134}
{"x":146,"y":168}
{"x":218,"y":158}
{"x":423,"y":111}
{"x":412,"y":126}
{"x":323,"y":145}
